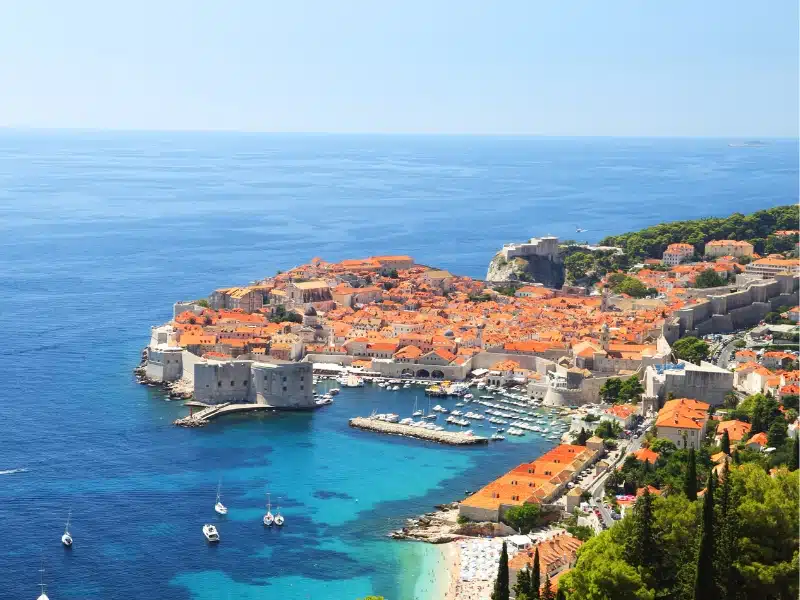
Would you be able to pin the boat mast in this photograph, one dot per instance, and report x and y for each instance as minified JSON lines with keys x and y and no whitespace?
{"x":42,"y":585}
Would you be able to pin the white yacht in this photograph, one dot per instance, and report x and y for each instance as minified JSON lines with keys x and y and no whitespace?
{"x":219,"y":506}
{"x":497,"y":437}
{"x":268,"y":518}
{"x":417,"y":412}
{"x":210,"y":532}
{"x":278,"y":517}
{"x":66,"y":539}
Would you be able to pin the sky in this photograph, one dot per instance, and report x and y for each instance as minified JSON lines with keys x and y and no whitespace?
{"x":526,"y":67}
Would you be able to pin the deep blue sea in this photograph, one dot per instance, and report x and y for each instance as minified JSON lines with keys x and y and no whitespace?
{"x":101,"y":232}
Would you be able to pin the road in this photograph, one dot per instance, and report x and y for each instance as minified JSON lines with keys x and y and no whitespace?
{"x":728,"y":350}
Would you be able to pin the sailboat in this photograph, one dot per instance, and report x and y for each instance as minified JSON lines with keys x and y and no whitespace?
{"x":219,"y":506}
{"x":268,"y":518}
{"x":417,"y":412}
{"x":430,"y":415}
{"x":66,"y":539}
{"x":278,"y":517}
{"x":42,"y":586}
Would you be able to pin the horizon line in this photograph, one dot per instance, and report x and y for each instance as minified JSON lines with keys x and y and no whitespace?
{"x":745,"y":137}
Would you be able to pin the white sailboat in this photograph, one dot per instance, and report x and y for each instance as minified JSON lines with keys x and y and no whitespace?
{"x":42,"y":586}
{"x":278,"y":517}
{"x":219,"y":506}
{"x":269,"y":519}
{"x":66,"y":539}
{"x":417,"y":412}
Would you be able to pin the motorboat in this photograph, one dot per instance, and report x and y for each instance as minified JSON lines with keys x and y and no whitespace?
{"x":334,"y":391}
{"x":324,"y":401}
{"x":66,"y":539}
{"x":278,"y":517}
{"x":497,"y":437}
{"x":406,"y":421}
{"x":468,"y":396}
{"x":219,"y":507}
{"x":392,"y":418}
{"x":268,"y":519}
{"x":211,"y":533}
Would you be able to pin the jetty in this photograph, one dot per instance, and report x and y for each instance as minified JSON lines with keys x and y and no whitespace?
{"x":455,"y":438}
{"x":207,"y":413}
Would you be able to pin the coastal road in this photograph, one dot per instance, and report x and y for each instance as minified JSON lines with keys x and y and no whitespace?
{"x":728,"y":350}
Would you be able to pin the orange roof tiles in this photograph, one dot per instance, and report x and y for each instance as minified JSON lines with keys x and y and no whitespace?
{"x":737,"y":430}
{"x":684,"y":413}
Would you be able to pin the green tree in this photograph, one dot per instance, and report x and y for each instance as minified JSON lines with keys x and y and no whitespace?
{"x":580,"y":439}
{"x":560,"y":595}
{"x":708,"y":278}
{"x":642,"y":547}
{"x":663,"y":446}
{"x":547,"y":589}
{"x":793,"y":457}
{"x":776,"y":436}
{"x":705,"y":584}
{"x":523,"y":583}
{"x":608,"y":429}
{"x":609,"y":391}
{"x":525,"y":517}
{"x":727,"y":523}
{"x":690,"y":349}
{"x":690,"y":483}
{"x":631,"y":389}
{"x":536,"y":577}
{"x":725,"y":443}
{"x":202,"y":302}
{"x":791,"y":401}
{"x":501,"y":591}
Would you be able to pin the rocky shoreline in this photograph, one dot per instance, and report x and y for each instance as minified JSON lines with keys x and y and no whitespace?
{"x":175,"y":390}
{"x":441,"y":526}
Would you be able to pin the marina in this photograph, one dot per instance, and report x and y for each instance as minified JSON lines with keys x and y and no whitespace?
{"x":455,"y":438}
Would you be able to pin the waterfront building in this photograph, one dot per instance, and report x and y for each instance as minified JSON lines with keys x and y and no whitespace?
{"x":683,"y":421}
{"x":675,"y":254}
{"x":544,"y":246}
{"x":733,"y":248}
{"x":770,"y":266}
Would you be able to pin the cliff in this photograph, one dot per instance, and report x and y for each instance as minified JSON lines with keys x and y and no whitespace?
{"x":539,"y":269}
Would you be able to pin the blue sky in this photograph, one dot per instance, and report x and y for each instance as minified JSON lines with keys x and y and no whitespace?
{"x":612,"y":67}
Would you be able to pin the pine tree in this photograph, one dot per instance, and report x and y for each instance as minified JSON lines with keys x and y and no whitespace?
{"x":725,"y":443}
{"x":547,"y":589}
{"x":705,"y":586}
{"x":523,"y":583}
{"x":690,"y":485}
{"x":536,"y":577}
{"x":501,"y":591}
{"x":794,"y":459}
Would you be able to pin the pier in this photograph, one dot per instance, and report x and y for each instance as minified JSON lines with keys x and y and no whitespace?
{"x":454,"y":438}
{"x":203,"y":416}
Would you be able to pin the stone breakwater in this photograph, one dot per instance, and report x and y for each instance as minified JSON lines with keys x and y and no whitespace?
{"x":442,"y":437}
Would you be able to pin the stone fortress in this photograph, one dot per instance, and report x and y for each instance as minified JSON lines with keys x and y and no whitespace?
{"x":275,"y":384}
{"x":545,"y":246}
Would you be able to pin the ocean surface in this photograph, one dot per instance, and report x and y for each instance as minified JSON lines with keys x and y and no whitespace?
{"x":101,"y":232}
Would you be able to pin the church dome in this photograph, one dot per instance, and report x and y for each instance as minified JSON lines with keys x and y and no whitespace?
{"x":310,"y":311}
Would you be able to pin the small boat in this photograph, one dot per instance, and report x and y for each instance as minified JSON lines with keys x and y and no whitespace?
{"x":268,"y":519}
{"x":278,"y":517}
{"x":66,"y":539}
{"x":42,"y":586}
{"x":219,"y":506}
{"x":333,"y":391}
{"x":211,"y":533}
{"x":497,"y":437}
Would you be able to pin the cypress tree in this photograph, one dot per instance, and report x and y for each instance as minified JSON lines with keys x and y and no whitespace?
{"x":523,"y":583}
{"x":536,"y":577}
{"x":501,"y":591}
{"x":705,"y":585}
{"x":690,"y":485}
{"x":547,"y":590}
{"x":727,"y":528}
{"x":794,"y":459}
{"x":560,"y":594}
{"x":642,"y":547}
{"x":725,"y":443}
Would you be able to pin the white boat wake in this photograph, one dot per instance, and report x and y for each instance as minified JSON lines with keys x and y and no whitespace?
{"x":12,"y":471}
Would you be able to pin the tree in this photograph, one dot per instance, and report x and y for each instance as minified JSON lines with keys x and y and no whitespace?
{"x":794,"y":459}
{"x":547,"y":589}
{"x":609,"y":391}
{"x":663,"y":446}
{"x":725,"y":443}
{"x":523,"y":583}
{"x":690,"y":483}
{"x":705,"y":586}
{"x":202,"y":302}
{"x":791,"y":401}
{"x":642,"y":548}
{"x":580,"y":439}
{"x":631,"y":389}
{"x":394,"y":274}
{"x":690,"y":349}
{"x":524,"y":518}
{"x":501,"y":591}
{"x":536,"y":577}
{"x":708,"y":279}
{"x":608,"y":430}
{"x":726,"y":539}
{"x":776,"y":436}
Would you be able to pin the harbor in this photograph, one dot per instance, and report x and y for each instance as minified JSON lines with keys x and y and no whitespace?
{"x":455,"y":438}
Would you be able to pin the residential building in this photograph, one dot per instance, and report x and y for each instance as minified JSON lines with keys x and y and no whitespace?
{"x":624,"y":414}
{"x":556,"y":555}
{"x":768,"y":267}
{"x":734,"y":248}
{"x":737,"y":430}
{"x":758,"y":441}
{"x":675,"y":254}
{"x":683,"y":421}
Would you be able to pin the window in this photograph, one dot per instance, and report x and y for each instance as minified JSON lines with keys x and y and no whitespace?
{"x":244,"y":383}
{"x":231,"y":382}
{"x":301,"y":388}
{"x":284,"y":388}
{"x":219,"y":384}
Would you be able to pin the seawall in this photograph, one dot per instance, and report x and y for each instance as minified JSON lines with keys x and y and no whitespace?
{"x":442,"y":437}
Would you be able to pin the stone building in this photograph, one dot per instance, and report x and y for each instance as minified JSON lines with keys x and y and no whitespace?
{"x":686,"y":380}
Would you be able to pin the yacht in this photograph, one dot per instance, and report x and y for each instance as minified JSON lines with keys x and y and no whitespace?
{"x":324,"y":401}
{"x":497,"y":437}
{"x":268,"y":518}
{"x":406,"y":421}
{"x":219,"y":506}
{"x":468,"y":396}
{"x":417,"y":412}
{"x":392,"y":418}
{"x":352,"y":381}
{"x":278,"y":517}
{"x":66,"y":539}
{"x":210,"y":532}
{"x":42,"y":586}
{"x":334,"y":391}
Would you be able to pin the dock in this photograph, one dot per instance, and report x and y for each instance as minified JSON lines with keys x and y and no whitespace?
{"x":454,"y":438}
{"x":203,"y":416}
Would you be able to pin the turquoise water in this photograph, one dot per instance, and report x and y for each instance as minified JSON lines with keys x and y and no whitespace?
{"x":100,"y":233}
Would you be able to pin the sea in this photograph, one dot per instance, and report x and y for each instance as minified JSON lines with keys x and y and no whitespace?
{"x":100,"y":232}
